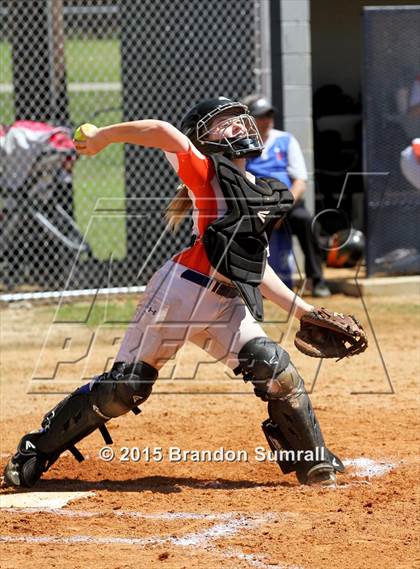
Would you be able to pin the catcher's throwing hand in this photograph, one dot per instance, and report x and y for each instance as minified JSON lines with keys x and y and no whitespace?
{"x":327,"y":334}
{"x":88,"y":140}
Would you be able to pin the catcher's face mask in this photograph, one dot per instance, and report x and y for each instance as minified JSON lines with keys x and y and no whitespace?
{"x":230,"y":131}
{"x":223,"y":126}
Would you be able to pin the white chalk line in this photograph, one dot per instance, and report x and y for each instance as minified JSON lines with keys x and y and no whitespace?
{"x":232,"y":522}
{"x":366,"y":467}
{"x":166,"y":516}
{"x":220,"y":530}
{"x":229,"y":524}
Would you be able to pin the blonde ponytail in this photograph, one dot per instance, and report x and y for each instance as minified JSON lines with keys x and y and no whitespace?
{"x":178,"y":207}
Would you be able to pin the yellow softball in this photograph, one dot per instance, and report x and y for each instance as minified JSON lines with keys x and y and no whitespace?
{"x":83,"y":131}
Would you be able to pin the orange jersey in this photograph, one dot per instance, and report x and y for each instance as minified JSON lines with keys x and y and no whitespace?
{"x":198,"y":174}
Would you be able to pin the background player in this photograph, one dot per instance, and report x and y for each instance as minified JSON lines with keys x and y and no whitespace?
{"x":282,"y":158}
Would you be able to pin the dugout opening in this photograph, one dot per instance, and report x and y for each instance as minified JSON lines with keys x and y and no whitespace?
{"x":337,"y":69}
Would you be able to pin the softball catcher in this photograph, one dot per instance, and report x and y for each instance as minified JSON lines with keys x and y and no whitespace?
{"x":210,"y":294}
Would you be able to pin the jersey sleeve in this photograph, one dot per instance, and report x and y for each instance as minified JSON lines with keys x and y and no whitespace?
{"x":296,"y":163}
{"x":193,"y":168}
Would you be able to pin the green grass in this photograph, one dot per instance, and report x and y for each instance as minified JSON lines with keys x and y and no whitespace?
{"x":5,"y":62}
{"x":92,"y":107}
{"x":7,"y":111}
{"x":89,"y":60}
{"x":118,"y":312}
{"x":100,"y":177}
{"x":95,"y":179}
{"x":92,"y":60}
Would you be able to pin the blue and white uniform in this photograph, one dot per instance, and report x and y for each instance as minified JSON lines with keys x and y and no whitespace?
{"x":281,"y":158}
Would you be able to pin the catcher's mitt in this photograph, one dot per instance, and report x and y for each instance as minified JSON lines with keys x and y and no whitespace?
{"x":327,"y":334}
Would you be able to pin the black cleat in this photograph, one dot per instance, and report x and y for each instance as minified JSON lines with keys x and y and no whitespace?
{"x":322,"y":474}
{"x":27,"y":465}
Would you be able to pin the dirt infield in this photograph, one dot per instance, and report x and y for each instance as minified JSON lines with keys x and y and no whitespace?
{"x":231,"y":514}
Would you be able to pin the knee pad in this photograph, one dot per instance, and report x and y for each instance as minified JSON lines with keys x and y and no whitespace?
{"x":286,"y":385}
{"x":123,"y":388}
{"x":263,"y":362}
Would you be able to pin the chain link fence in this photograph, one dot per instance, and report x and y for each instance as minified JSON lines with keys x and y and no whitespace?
{"x":391,"y":121}
{"x":80,"y":223}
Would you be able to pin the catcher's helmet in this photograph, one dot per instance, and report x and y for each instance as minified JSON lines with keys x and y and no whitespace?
{"x":197,"y":125}
{"x":345,"y":248}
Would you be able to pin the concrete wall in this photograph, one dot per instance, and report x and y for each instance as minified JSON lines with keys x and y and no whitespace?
{"x":295,"y":47}
{"x":337,"y":41}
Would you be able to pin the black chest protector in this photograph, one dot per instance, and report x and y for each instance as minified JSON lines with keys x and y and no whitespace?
{"x":236,"y":244}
